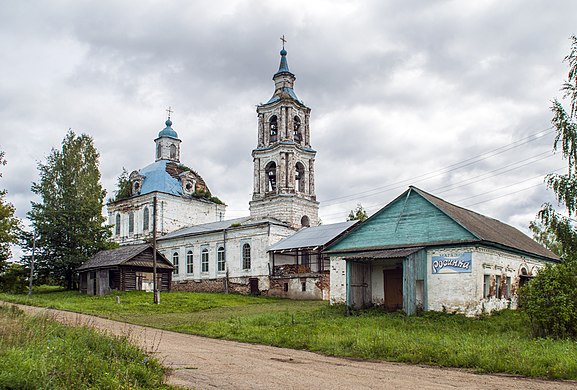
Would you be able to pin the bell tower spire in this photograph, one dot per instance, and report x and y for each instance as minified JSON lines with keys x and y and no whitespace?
{"x":284,"y":185}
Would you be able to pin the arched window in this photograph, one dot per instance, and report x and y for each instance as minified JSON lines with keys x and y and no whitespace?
{"x":130,"y":222}
{"x":204,"y":260}
{"x":145,"y":218}
{"x":246,"y":256}
{"x":305,"y":221}
{"x":273,"y":126}
{"x":175,"y":262}
{"x":270,"y":171}
{"x":220,"y":259}
{"x":300,"y":177}
{"x":158,"y":150}
{"x":189,"y":262}
{"x":297,"y":136}
{"x":173,"y":151}
{"x":117,"y":227}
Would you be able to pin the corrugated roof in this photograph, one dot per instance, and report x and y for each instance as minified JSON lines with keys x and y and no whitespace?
{"x":488,"y":229}
{"x":384,"y":254}
{"x":312,"y":236}
{"x":114,"y":257}
{"x":209,"y":227}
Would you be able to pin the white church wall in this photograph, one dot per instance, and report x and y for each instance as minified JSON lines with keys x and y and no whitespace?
{"x":173,"y":213}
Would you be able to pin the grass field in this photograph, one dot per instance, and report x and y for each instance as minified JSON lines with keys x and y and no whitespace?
{"x":38,"y":353}
{"x":498,"y":343}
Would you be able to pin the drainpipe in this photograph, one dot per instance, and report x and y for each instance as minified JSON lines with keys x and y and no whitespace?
{"x":348,"y":286}
{"x":225,"y":261}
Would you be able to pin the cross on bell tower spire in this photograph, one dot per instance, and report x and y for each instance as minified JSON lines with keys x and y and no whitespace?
{"x":283,"y":41}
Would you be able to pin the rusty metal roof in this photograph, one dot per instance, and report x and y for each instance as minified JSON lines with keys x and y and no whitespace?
{"x":384,"y":254}
{"x":488,"y":229}
{"x":122,"y":255}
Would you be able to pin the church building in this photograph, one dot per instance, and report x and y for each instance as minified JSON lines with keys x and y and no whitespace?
{"x":210,"y":253}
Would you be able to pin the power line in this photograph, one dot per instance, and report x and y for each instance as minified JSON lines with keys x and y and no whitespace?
{"x":446,"y":169}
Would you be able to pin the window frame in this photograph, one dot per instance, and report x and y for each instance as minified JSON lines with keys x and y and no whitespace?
{"x":145,"y":219}
{"x":130,"y":223}
{"x":117,"y":223}
{"x":220,"y":259}
{"x":246,"y":256}
{"x":204,"y":260}
{"x":189,"y":261}
{"x":175,"y":262}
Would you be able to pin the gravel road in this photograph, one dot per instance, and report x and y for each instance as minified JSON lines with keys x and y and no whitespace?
{"x":203,"y":363}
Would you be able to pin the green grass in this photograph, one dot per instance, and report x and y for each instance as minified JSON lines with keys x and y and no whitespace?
{"x":39,"y":353}
{"x":500,"y":343}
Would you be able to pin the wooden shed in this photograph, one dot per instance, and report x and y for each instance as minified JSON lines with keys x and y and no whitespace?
{"x":127,"y":268}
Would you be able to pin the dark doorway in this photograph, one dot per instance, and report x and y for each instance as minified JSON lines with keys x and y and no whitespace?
{"x":393,"y":285}
{"x":253,"y":284}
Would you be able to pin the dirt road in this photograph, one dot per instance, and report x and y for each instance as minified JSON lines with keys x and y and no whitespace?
{"x":202,"y":363}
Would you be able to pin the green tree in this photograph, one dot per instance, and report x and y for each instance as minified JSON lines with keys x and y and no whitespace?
{"x":550,"y":299}
{"x":68,"y":220}
{"x":123,"y":186}
{"x":545,"y":237}
{"x":564,"y":185}
{"x":358,"y":214}
{"x":9,"y":224}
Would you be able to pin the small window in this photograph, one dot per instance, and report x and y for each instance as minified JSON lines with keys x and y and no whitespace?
{"x":498,"y":286}
{"x":220,"y":259}
{"x":145,"y":219}
{"x":175,"y":262}
{"x":508,"y":287}
{"x":189,"y":262}
{"x":130,"y":223}
{"x":285,"y":287}
{"x":117,"y":227}
{"x":486,"y":286}
{"x":304,"y":286}
{"x":204,"y":260}
{"x":246,"y":256}
{"x":158,"y":150}
{"x":172,"y":151}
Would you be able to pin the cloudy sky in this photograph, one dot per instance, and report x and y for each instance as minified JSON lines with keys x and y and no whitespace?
{"x":450,"y":96}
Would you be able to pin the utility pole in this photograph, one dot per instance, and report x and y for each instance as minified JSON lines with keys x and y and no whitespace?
{"x":155,"y":289}
{"x":32,"y":263}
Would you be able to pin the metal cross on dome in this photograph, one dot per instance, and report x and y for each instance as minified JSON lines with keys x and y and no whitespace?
{"x":169,"y":111}
{"x":283,"y":41}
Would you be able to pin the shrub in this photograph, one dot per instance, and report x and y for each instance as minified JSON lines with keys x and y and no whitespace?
{"x":550,"y":301}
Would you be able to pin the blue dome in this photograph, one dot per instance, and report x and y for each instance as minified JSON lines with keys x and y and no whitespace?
{"x":168,"y":131}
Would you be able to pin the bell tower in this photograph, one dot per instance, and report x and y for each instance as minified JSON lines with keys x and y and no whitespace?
{"x":284,"y":178}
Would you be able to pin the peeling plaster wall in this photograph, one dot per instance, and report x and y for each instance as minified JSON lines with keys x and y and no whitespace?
{"x":173,"y":213}
{"x":338,"y":290}
{"x":464,"y":292}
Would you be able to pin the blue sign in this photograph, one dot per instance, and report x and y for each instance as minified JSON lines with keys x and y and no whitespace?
{"x":450,"y":264}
